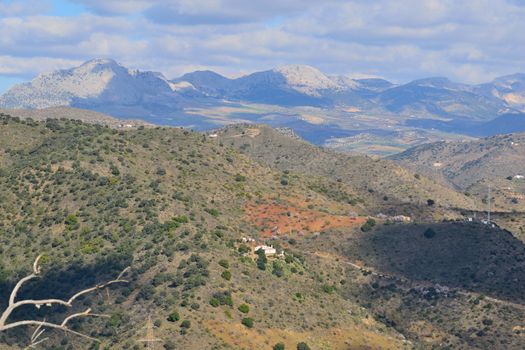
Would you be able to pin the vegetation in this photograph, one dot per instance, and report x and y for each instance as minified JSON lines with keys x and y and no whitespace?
{"x":169,"y":203}
{"x":248,"y":322}
{"x":244,"y":308}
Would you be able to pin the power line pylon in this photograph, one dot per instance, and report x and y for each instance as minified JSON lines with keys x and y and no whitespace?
{"x":150,"y":341}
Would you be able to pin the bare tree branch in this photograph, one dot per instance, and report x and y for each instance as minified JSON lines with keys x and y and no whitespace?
{"x":13,"y":304}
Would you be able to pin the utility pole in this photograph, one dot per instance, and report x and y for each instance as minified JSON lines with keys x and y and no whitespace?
{"x":150,"y":339}
{"x":489,"y":208}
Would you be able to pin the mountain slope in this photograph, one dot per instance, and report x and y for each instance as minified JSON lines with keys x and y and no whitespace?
{"x":174,"y":205}
{"x":101,"y":85}
{"x":510,"y":88}
{"x":473,"y":166}
{"x":373,"y":176}
{"x":441,"y":98}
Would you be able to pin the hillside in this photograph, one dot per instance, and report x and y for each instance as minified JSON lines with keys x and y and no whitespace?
{"x":448,"y":285}
{"x":382,"y":181}
{"x":181,"y":209}
{"x":174,"y":206}
{"x":84,"y":115}
{"x":472,"y":166}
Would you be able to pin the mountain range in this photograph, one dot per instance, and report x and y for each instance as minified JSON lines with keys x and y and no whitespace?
{"x":317,"y":106}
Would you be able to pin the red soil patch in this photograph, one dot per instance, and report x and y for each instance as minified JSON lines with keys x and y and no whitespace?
{"x":278,"y":219}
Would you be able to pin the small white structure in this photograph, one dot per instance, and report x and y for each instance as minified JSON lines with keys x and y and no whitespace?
{"x":437,"y":165}
{"x":268,"y":250}
{"x":401,"y":218}
{"x":213,"y":136}
{"x":519,"y":177}
{"x":247,"y":240}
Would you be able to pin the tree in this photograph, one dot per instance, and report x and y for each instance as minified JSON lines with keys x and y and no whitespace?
{"x":368,"y":225}
{"x":248,"y":322}
{"x":13,"y":304}
{"x":303,"y":346}
{"x":261,"y":259}
{"x":174,"y":316}
{"x":429,"y":233}
{"x":278,"y":346}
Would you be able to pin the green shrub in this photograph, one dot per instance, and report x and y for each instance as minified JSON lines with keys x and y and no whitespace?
{"x":174,"y":317}
{"x":328,"y":288}
{"x":248,"y":322}
{"x":278,"y":346}
{"x":303,"y":346}
{"x":243,"y":249}
{"x":224,"y":263}
{"x":368,"y":225}
{"x":226,"y":275}
{"x":244,"y":308}
{"x":278,"y":269}
{"x":212,"y":211}
{"x":214,"y":302}
{"x":240,"y":178}
{"x":185,"y":324}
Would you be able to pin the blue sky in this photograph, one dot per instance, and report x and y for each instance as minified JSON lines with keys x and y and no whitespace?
{"x":468,"y":41}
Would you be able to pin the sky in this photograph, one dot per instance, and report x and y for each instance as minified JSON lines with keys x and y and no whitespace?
{"x":469,"y":41}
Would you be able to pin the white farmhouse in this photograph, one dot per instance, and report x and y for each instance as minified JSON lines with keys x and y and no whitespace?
{"x":268,"y":250}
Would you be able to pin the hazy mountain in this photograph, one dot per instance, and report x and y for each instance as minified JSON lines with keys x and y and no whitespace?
{"x":288,"y":85}
{"x":292,"y":95}
{"x":100,"y":84}
{"x":439,"y":97}
{"x":510,"y":88}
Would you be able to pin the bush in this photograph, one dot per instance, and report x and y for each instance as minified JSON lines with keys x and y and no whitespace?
{"x":214,"y":302}
{"x":278,"y":269}
{"x":303,"y":346}
{"x":248,"y":322}
{"x":431,"y":202}
{"x":278,"y":346}
{"x":185,"y":324}
{"x":368,"y":225}
{"x":328,"y":288}
{"x":226,"y":275}
{"x":224,"y":263}
{"x":261,"y":259}
{"x":240,"y":178}
{"x":212,"y":211}
{"x":174,"y":317}
{"x":223,"y":298}
{"x":244,"y":308}
{"x":429,"y":233}
{"x":243,"y":249}
{"x":169,"y":345}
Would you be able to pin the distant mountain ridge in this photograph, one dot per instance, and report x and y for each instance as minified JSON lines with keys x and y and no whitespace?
{"x":105,"y":86}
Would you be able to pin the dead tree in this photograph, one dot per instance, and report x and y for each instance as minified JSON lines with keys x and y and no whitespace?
{"x":42,"y":325}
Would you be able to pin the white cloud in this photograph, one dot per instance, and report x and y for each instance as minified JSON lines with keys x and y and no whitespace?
{"x":469,"y":40}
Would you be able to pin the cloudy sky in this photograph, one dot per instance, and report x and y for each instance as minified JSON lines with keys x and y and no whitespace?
{"x":467,"y":41}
